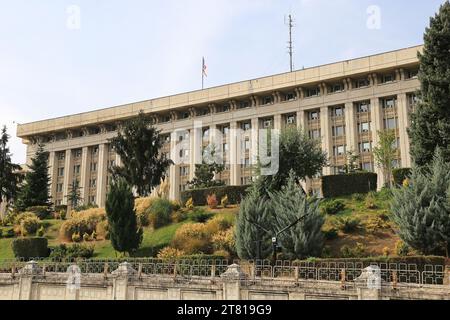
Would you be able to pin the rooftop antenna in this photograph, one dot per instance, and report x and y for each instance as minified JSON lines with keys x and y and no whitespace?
{"x":290,"y":24}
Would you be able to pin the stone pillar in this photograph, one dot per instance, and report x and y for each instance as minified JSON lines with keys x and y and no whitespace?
{"x":350,"y":127}
{"x":302,"y":123}
{"x":121,"y":277}
{"x":369,"y":284}
{"x":231,"y":281}
{"x":68,"y":175}
{"x":377,"y":125}
{"x":53,"y":173}
{"x":173,"y":174}
{"x":195,"y":137}
{"x":235,"y":145}
{"x":326,"y":136}
{"x":85,"y":175}
{"x":254,"y":142}
{"x":102,"y":172}
{"x":277,"y":122}
{"x":402,"y":110}
{"x":118,"y":160}
{"x":26,"y":275}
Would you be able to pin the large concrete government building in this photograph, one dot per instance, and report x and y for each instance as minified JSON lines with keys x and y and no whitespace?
{"x":343,"y":104}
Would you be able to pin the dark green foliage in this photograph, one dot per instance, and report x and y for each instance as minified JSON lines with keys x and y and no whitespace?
{"x":27,"y":248}
{"x":252,"y":242}
{"x":422,"y":209}
{"x":347,"y":224}
{"x":35,"y":191}
{"x":400,"y":175}
{"x":430,"y":126}
{"x":69,"y":253}
{"x":200,"y":215}
{"x":348,"y":184}
{"x":204,"y":172}
{"x":123,"y":229}
{"x":74,"y":197}
{"x":160,"y":213}
{"x":9,"y":178}
{"x":297,"y":152}
{"x":42,"y":212}
{"x":357,"y":251}
{"x":138,"y":144}
{"x":8,"y":233}
{"x":235,"y":194}
{"x":332,"y":207}
{"x":330,"y":233}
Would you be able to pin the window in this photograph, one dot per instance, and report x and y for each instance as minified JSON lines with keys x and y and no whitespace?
{"x":338,"y":112}
{"x":60,"y":172}
{"x":412,"y":74}
{"x":223,"y":108}
{"x":225,"y":147}
{"x":206,"y":134}
{"x":225,"y":130}
{"x":387,"y":78}
{"x":290,"y":119}
{"x":185,"y":115}
{"x":247,"y":144}
{"x":396,"y":144}
{"x":389,"y":103}
{"x":77,"y":153}
{"x":339,"y":170}
{"x":61,"y":155}
{"x":390,"y":123}
{"x":267,"y":124}
{"x":338,"y":131}
{"x":246,"y":126}
{"x":94,"y":151}
{"x":93,"y":183}
{"x":337,"y":87}
{"x":367,"y":166}
{"x":58,"y":202}
{"x":313,"y":115}
{"x":59,"y":187}
{"x":312,"y":92}
{"x":247,"y":163}
{"x":365,"y":147}
{"x":314,"y":134}
{"x":76,"y":169}
{"x":267,"y":100}
{"x":166,"y":118}
{"x":92,"y":199}
{"x":243,"y":105}
{"x":93,"y":167}
{"x":361,"y":83}
{"x":290,"y":96}
{"x":363,"y":107}
{"x":364,"y":127}
{"x":395,"y":163}
{"x":112,"y":163}
{"x":184,"y":171}
{"x":339,"y":150}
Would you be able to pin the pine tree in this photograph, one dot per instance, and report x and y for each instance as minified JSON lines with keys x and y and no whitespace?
{"x":421,"y":208}
{"x":385,"y":153}
{"x":9,"y":178}
{"x":125,"y":234}
{"x":430,"y":126}
{"x":253,"y":221}
{"x":304,"y":239}
{"x":205,"y":172}
{"x":35,"y":191}
{"x":138,"y":144}
{"x":74,"y":197}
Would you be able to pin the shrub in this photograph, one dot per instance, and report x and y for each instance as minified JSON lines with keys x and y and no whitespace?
{"x":218,"y":223}
{"x":333,"y":207}
{"x":40,"y":232}
{"x":9,"y":233}
{"x":76,"y":237}
{"x":169,"y":253}
{"x":143,"y":219}
{"x":235,"y":194}
{"x":61,"y":208}
{"x":42,"y":212}
{"x":85,"y":207}
{"x":94,"y":235}
{"x":82,"y":222}
{"x":386,"y":252}
{"x":358,"y":251}
{"x":87,"y":237}
{"x":330,"y":233}
{"x":192,"y":238}
{"x":29,"y":226}
{"x":347,"y":184}
{"x":225,"y":241}
{"x":179,"y":216}
{"x":102,"y":230}
{"x":212,"y":201}
{"x":200,"y":215}
{"x":160,"y":213}
{"x":401,"y":248}
{"x":358,"y":197}
{"x":370,"y":201}
{"x":376,"y":223}
{"x":224,"y":201}
{"x":27,"y":248}
{"x":142,"y":205}
{"x":175,"y":205}
{"x":63,"y":252}
{"x":189,"y":203}
{"x":1,"y":233}
{"x":400,"y":175}
{"x":348,"y":224}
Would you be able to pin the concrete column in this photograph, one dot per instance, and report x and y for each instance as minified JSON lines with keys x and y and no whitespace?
{"x":302,"y":123}
{"x":254,"y":142}
{"x":350,"y":127}
{"x":120,"y":282}
{"x":102,"y":170}
{"x":235,"y":145}
{"x":68,"y":175}
{"x":231,"y":280}
{"x":277,"y":122}
{"x":173,"y":174}
{"x":53,"y":173}
{"x":402,"y":110}
{"x":195,"y":136}
{"x":326,"y":136}
{"x":85,"y":175}
{"x":118,"y":160}
{"x":377,"y":125}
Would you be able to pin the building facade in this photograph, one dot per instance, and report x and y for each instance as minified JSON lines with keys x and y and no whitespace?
{"x":342,"y":104}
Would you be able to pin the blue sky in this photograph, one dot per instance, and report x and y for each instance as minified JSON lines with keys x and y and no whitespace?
{"x":124,"y":51}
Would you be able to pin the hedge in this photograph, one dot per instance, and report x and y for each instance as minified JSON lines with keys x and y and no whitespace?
{"x":400,"y":175}
{"x":27,"y":248}
{"x":348,"y":184}
{"x":234,"y":193}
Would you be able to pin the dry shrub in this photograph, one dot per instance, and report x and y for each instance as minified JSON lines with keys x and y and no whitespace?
{"x":102,"y":230}
{"x":225,"y":241}
{"x":26,"y":224}
{"x":217,"y":224}
{"x":141,"y":205}
{"x":212,"y":202}
{"x":192,"y":238}
{"x":82,"y":222}
{"x":169,"y":253}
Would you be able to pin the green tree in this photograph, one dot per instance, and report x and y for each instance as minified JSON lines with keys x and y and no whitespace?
{"x":253,"y":241}
{"x":9,"y":177}
{"x":299,"y":153}
{"x":138,"y":144}
{"x":74,"y":197}
{"x":352,"y":162}
{"x":205,"y":172}
{"x":304,"y":239}
{"x":430,"y":127}
{"x":421,"y":208}
{"x":125,"y":234}
{"x":385,"y":154}
{"x":35,"y":191}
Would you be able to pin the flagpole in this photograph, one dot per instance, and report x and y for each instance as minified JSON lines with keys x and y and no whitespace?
{"x":203,"y":73}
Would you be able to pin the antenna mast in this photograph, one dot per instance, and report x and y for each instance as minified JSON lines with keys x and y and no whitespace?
{"x":290,"y":24}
